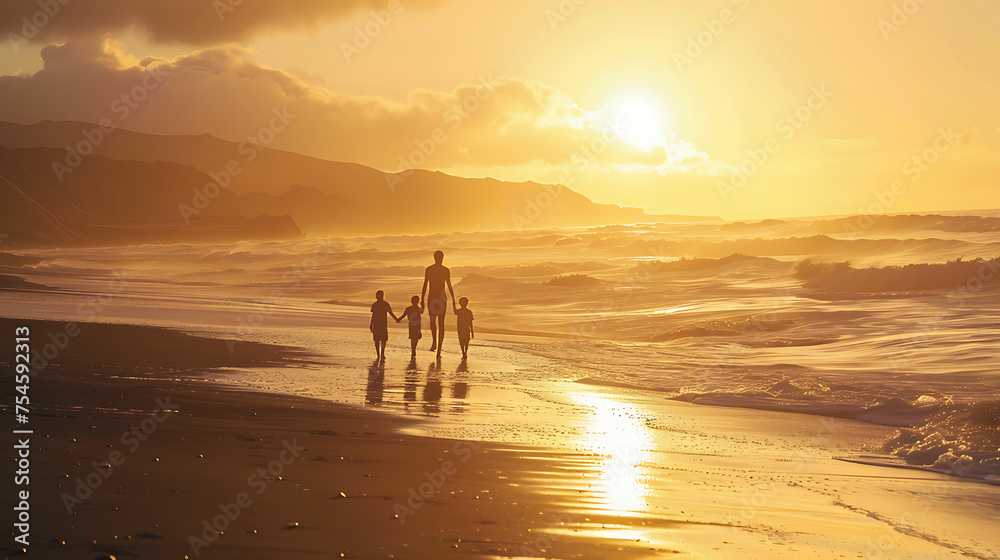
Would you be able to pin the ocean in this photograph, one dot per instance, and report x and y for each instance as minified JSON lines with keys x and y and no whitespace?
{"x":884,"y":319}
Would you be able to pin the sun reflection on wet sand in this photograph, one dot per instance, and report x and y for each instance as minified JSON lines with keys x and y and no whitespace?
{"x":618,"y":434}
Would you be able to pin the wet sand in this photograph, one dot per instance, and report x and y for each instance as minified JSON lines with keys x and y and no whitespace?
{"x":137,"y":461}
{"x":570,"y":470}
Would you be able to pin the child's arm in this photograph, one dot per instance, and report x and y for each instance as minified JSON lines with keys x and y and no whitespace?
{"x":393,"y":314}
{"x":371,"y":324}
{"x":403,"y":316}
{"x":472,"y":330}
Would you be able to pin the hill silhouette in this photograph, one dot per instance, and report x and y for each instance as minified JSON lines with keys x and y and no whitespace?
{"x":134,"y":175}
{"x":109,"y":202}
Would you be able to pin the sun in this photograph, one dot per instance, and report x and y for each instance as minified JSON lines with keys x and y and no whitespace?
{"x":638,"y":120}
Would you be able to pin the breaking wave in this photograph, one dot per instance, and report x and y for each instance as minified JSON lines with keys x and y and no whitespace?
{"x":842,"y":277}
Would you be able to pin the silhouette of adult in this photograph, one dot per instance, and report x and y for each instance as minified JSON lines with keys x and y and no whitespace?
{"x":436,"y":278}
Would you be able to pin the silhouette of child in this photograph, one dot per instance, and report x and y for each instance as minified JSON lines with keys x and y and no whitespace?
{"x":465,"y":331}
{"x":413,"y":312}
{"x":380,"y":323}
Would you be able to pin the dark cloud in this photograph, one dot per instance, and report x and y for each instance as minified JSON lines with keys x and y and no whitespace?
{"x":174,"y":21}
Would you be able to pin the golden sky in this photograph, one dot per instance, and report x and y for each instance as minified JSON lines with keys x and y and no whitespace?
{"x":738,"y":108}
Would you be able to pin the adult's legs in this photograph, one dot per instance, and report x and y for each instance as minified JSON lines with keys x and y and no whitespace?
{"x":436,"y":310}
{"x":440,"y":333}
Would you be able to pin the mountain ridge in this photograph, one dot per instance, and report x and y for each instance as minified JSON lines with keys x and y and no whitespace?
{"x":229,"y":180}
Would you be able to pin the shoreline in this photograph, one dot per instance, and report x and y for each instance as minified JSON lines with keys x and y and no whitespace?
{"x":641,"y":478}
{"x":147,"y":467}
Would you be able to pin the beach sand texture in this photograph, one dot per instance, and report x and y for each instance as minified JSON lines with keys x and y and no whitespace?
{"x":698,"y":481}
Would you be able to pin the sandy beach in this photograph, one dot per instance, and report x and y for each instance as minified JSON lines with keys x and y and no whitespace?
{"x":170,"y":458}
{"x":152,"y":464}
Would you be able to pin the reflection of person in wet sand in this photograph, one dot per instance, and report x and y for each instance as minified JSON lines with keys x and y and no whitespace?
{"x":376,"y":384}
{"x":433,"y":388}
{"x":410,"y":383}
{"x":436,"y":278}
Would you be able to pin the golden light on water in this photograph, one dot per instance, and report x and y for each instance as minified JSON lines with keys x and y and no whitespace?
{"x":618,"y":434}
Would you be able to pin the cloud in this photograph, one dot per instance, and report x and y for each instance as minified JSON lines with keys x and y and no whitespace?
{"x":174,"y":21}
{"x":497,"y":122}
